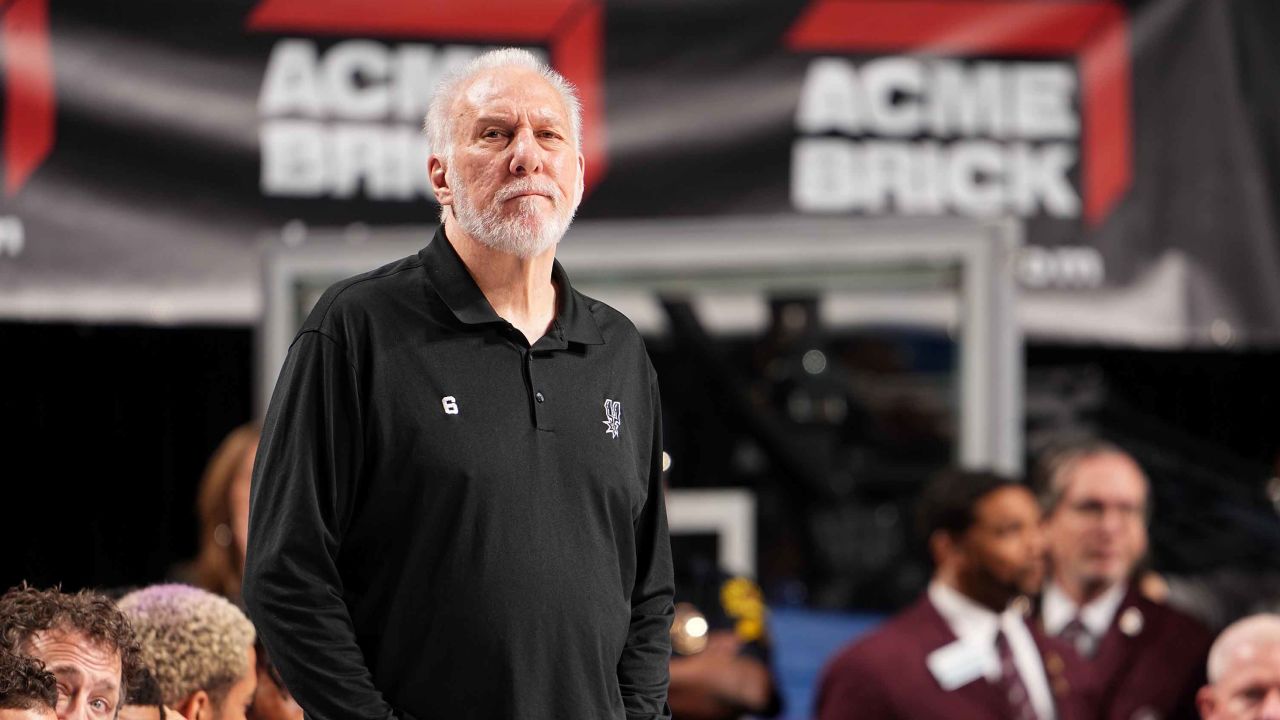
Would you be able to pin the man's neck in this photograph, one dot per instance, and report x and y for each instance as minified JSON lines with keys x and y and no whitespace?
{"x":520,"y":290}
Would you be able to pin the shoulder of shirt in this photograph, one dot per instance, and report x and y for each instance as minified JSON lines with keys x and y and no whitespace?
{"x":611,"y":322}
{"x":1168,"y":620}
{"x":893,"y":637}
{"x":360,"y":293}
{"x":616,"y":328}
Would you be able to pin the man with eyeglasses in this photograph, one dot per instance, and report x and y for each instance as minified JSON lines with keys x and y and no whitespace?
{"x":1146,"y":659}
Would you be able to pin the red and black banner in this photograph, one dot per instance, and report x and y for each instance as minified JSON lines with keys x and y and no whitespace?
{"x":149,"y":148}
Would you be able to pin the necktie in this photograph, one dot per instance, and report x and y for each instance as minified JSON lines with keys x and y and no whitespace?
{"x":1011,"y":683}
{"x":1079,"y":636}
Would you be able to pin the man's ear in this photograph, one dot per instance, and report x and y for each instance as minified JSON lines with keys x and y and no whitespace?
{"x":582,"y":174}
{"x":1206,"y":702}
{"x":941,"y":547}
{"x":197,"y":706}
{"x":439,"y":180}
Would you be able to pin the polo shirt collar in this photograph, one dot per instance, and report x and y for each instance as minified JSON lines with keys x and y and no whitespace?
{"x":455,"y":286}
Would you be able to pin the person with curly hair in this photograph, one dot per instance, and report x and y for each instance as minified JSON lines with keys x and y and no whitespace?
{"x":199,"y":648}
{"x":27,"y":691}
{"x":84,"y":641}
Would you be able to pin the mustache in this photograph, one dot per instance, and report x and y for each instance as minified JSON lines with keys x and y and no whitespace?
{"x":529,"y":185}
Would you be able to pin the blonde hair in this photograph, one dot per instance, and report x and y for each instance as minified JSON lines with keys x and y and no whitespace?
{"x":191,"y":640}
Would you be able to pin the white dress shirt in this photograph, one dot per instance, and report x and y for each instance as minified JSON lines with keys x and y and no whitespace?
{"x":1056,"y":610}
{"x":977,"y":627}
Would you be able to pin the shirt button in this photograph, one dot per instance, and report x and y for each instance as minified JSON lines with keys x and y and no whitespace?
{"x":539,"y":397}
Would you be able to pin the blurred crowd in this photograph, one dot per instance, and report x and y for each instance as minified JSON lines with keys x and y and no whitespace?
{"x":1039,"y":608}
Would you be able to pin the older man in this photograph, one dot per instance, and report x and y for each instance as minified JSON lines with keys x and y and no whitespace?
{"x":1244,"y":672}
{"x":82,"y":639}
{"x":963,"y":650}
{"x":198,"y":647}
{"x":1146,"y":659}
{"x":457,"y":507}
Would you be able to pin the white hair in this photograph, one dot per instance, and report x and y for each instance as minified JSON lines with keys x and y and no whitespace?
{"x":1243,"y":637}
{"x":438,"y":124}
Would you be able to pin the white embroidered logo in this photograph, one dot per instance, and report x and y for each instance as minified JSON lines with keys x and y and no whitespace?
{"x":612,"y":417}
{"x":450,"y":405}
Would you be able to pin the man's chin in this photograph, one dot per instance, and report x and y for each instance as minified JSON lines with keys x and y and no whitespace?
{"x":1103,"y":577}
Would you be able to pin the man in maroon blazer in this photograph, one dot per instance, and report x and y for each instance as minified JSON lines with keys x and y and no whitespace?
{"x":1145,"y":660}
{"x":962,"y":650}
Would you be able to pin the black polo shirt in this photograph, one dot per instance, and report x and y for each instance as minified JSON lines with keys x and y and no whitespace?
{"x":449,"y":523}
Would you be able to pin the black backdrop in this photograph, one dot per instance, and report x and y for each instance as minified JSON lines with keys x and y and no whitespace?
{"x":105,"y":431}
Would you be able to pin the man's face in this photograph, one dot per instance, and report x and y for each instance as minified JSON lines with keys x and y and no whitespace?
{"x":235,"y":706}
{"x":1004,"y":548}
{"x":515,"y":178}
{"x":1098,"y":532}
{"x":1249,"y":688}
{"x":88,"y":675}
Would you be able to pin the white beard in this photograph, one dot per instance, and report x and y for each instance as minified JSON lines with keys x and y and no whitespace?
{"x":528,"y":231}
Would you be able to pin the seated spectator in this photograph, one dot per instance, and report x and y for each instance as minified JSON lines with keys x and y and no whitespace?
{"x":198,"y":646}
{"x":963,"y":650}
{"x":145,"y":701}
{"x":720,"y":662}
{"x":27,"y":692}
{"x":1144,"y":658}
{"x":222,"y":504}
{"x":83,"y":640}
{"x":1244,"y":672}
{"x":720,"y":666}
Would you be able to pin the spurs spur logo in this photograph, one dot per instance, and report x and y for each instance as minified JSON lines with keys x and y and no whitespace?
{"x":612,"y":417}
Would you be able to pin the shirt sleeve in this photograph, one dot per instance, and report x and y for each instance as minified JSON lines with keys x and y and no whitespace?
{"x":643,"y":669}
{"x":308,"y":464}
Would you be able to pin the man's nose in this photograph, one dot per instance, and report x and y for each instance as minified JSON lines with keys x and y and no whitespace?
{"x":1110,"y":519}
{"x":1271,"y":705}
{"x":526,"y":153}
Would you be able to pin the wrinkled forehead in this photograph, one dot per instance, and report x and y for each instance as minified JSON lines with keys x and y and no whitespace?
{"x":70,"y":652}
{"x":511,"y":91}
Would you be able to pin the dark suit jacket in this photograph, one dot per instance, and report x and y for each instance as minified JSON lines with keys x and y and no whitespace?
{"x":883,"y":676}
{"x":1153,"y":671}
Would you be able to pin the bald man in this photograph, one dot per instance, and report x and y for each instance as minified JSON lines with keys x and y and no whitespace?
{"x":1244,"y":672}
